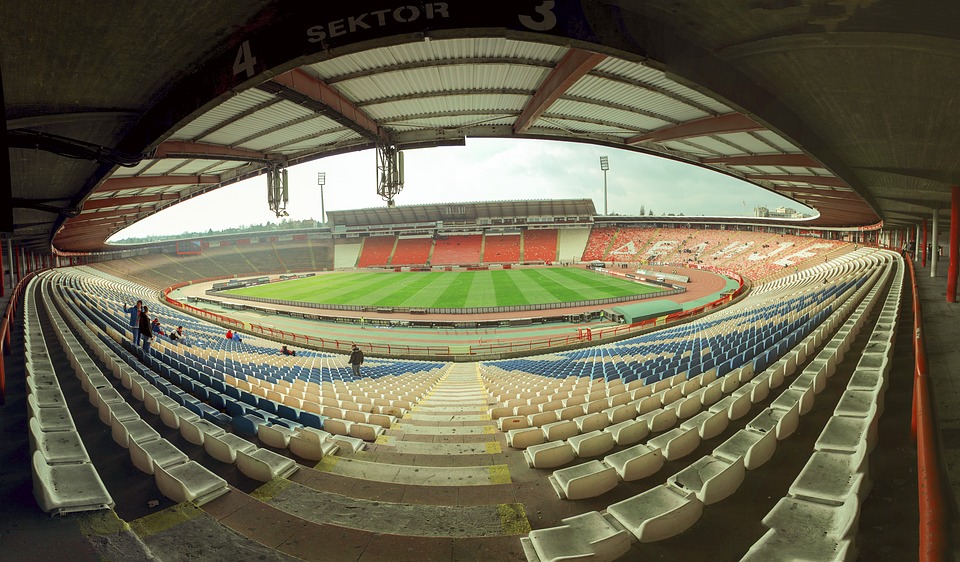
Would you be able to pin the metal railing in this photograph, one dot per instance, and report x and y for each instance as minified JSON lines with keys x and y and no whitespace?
{"x":6,"y":328}
{"x":923,"y":430}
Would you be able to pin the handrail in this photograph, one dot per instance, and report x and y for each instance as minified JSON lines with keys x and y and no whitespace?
{"x":929,"y":488}
{"x":6,"y":328}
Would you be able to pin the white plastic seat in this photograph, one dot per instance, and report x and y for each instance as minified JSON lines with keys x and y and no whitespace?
{"x":591,"y":444}
{"x":55,"y":418}
{"x":347,"y":443}
{"x":512,"y":422}
{"x":792,"y":396}
{"x":312,"y":444}
{"x":815,"y":520}
{"x":588,"y":536}
{"x":587,"y":480}
{"x":523,"y":438}
{"x":265,"y":465}
{"x":549,"y":455}
{"x":636,"y":462}
{"x":133,"y":430}
{"x":628,"y":432}
{"x":805,"y":530}
{"x":708,"y":424}
{"x":195,"y":431}
{"x":657,"y":514}
{"x":753,"y":447}
{"x":117,"y":410}
{"x":68,"y":488}
{"x":189,"y":481}
{"x":224,"y":447}
{"x":845,"y":434}
{"x":687,"y":406}
{"x":831,"y":478}
{"x":659,"y":420}
{"x":647,"y":404}
{"x":591,"y":422}
{"x":366,"y":431}
{"x":710,"y":478}
{"x":560,"y":430}
{"x":171,"y":415}
{"x":782,"y":422}
{"x":152,"y":401}
{"x":676,"y":443}
{"x":337,"y":426}
{"x":572,"y":411}
{"x":57,"y":447}
{"x":275,"y":435}
{"x":711,"y":393}
{"x":620,"y":413}
{"x":542,"y":418}
{"x":158,"y":452}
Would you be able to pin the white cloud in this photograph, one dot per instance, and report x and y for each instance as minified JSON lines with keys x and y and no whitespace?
{"x":484,"y":170}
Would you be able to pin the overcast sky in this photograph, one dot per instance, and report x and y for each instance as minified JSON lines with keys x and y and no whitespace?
{"x":483,"y":170}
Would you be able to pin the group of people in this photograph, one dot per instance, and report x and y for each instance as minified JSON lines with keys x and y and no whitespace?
{"x":144,"y":329}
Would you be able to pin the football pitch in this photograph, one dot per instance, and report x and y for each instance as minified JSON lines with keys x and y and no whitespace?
{"x":451,"y":289}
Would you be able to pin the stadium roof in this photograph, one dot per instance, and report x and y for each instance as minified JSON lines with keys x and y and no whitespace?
{"x":847,"y":107}
{"x":463,"y":212}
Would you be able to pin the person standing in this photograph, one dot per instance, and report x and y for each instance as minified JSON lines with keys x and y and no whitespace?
{"x":356,"y":359}
{"x":146,"y":334}
{"x":134,"y":312}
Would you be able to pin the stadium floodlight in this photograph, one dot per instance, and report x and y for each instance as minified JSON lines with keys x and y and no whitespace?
{"x":321,"y":180}
{"x":604,"y":165}
{"x":389,"y":173}
{"x":278,"y":189}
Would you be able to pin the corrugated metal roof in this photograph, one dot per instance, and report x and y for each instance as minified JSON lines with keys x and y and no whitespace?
{"x":234,"y":106}
{"x":430,"y":88}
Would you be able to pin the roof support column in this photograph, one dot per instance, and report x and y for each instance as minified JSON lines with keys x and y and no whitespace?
{"x":954,"y":239}
{"x":916,"y":243}
{"x":17,"y":267}
{"x":6,"y":181}
{"x":11,"y":264}
{"x":3,"y":275}
{"x":935,"y":243}
{"x":923,"y":249}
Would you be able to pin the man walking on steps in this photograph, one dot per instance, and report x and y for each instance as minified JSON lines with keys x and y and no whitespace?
{"x":134,"y":312}
{"x":356,"y":359}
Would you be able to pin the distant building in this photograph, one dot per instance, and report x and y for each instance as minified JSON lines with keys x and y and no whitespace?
{"x":779,"y":213}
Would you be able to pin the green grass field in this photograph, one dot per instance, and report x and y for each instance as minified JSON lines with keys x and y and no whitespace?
{"x":451,"y":289}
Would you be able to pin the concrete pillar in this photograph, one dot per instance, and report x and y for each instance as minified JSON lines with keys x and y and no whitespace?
{"x":924,"y":244}
{"x":11,"y":265}
{"x":954,"y":240}
{"x":934,"y":243}
{"x":916,"y":244}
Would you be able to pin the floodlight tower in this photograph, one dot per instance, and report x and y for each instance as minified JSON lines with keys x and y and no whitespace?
{"x":604,"y":165}
{"x":321,"y":180}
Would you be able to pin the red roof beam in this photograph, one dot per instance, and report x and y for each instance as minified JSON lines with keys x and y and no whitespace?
{"x":718,"y":125}
{"x":142,"y":182}
{"x":573,"y":66}
{"x":797,"y":160}
{"x":198,"y":150}
{"x":100,"y":215}
{"x":831,"y":181}
{"x":343,"y":110}
{"x":92,"y":204}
